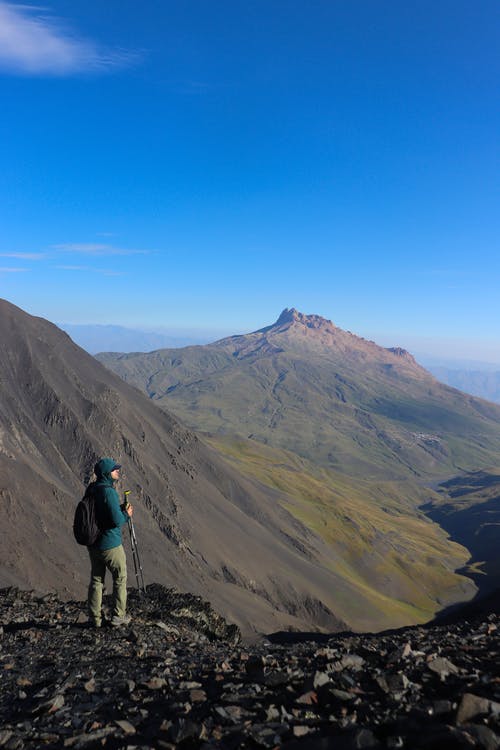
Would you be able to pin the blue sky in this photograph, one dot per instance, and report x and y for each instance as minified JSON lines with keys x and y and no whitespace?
{"x":187,"y":164}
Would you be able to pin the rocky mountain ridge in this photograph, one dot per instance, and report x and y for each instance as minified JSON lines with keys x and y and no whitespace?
{"x":298,"y":331}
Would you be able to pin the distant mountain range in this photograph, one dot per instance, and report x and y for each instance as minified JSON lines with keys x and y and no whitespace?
{"x":99,"y":338}
{"x":482,"y":383}
{"x":274,"y":540}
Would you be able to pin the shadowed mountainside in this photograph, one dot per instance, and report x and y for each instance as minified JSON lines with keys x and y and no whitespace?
{"x":306,"y":386}
{"x":201,"y":526}
{"x":469,"y":510}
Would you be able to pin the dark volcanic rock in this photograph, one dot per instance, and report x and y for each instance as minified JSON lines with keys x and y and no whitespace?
{"x":178,"y":676}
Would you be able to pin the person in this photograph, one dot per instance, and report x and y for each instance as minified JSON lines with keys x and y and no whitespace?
{"x":108,"y":552}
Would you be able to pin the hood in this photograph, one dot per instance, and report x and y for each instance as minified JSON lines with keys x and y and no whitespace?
{"x":104,"y":467}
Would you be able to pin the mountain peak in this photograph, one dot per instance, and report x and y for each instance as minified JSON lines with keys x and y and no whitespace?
{"x":289,"y":316}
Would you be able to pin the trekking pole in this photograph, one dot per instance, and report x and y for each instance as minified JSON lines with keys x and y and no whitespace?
{"x":139,"y":575}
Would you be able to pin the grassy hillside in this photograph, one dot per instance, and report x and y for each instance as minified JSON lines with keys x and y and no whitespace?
{"x":400,"y":562}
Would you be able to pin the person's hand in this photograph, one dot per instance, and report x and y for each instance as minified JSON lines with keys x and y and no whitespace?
{"x":129,"y":510}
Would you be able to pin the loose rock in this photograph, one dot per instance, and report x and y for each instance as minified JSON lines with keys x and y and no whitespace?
{"x":184,"y":685}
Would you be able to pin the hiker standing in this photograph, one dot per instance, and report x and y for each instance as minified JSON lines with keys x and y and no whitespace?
{"x":107,"y":552}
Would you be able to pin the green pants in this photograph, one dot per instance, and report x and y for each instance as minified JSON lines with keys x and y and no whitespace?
{"x":114,"y":561}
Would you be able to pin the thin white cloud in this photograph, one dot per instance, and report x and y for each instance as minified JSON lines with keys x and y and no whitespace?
{"x":12,"y":270}
{"x":32,"y":43}
{"x":24,"y":256}
{"x":88,"y":269}
{"x":96,"y":248}
{"x":72,"y":268}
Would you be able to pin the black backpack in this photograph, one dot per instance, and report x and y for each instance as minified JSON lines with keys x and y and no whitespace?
{"x":85,"y":526}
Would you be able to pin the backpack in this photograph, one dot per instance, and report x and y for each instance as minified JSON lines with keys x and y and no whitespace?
{"x":85,"y":526}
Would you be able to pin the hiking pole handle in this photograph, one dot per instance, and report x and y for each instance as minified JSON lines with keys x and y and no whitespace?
{"x":126,"y":505}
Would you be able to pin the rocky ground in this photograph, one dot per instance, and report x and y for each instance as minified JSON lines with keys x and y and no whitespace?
{"x":180,"y":677}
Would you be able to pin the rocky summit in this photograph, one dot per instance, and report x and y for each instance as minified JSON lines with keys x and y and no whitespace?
{"x":179,"y":677}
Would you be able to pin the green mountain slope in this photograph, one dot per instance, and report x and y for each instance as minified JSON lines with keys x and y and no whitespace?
{"x":306,"y":386}
{"x":397,"y":564}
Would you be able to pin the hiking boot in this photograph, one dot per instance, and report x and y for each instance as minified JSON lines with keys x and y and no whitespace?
{"x":116,"y":621}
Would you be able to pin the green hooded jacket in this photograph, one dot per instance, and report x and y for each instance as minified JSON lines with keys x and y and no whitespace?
{"x":109,"y":514}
